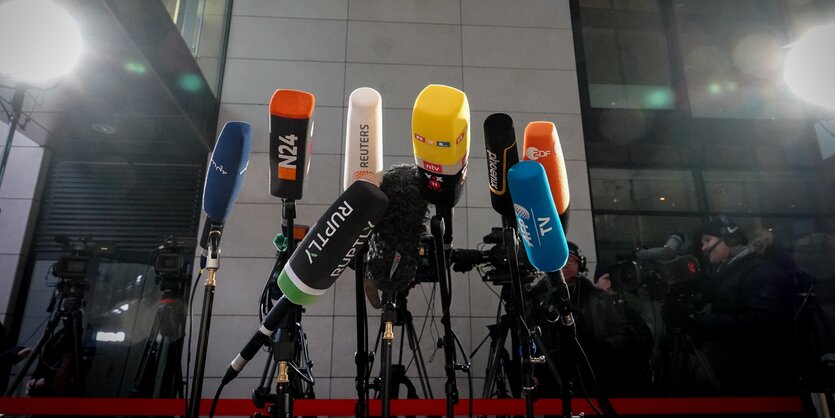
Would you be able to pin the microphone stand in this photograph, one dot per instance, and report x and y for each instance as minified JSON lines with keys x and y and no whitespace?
{"x":442,"y":236}
{"x":517,"y":315}
{"x":362,"y":358}
{"x":559,"y":304}
{"x":212,"y":265}
{"x":284,"y":349}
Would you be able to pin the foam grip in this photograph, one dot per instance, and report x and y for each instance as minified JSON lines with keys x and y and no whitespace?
{"x":226,"y":170}
{"x":542,"y":144}
{"x":536,"y":216}
{"x":364,"y":137}
{"x":500,"y":144}
{"x":441,"y":142}
{"x":291,"y":129}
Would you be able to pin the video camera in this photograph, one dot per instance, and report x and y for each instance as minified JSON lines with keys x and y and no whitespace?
{"x":492,"y":261}
{"x":79,"y":260}
{"x":657,"y":270}
{"x":169,"y":263}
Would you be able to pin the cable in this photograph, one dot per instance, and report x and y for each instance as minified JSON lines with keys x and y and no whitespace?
{"x":593,"y":378}
{"x":214,"y":401}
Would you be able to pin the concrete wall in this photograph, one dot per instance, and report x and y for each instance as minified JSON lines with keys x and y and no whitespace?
{"x":19,"y":202}
{"x":514,"y":57}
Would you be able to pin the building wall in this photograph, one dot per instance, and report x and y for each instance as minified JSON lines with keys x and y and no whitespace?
{"x":19,"y":202}
{"x":513,"y":57}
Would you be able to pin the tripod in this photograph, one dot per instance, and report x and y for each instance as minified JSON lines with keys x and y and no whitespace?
{"x":160,"y":374}
{"x":396,"y":313}
{"x":289,"y":361}
{"x":60,"y":351}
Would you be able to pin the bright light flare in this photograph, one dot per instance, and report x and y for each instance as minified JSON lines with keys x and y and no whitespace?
{"x":810,"y":66}
{"x":110,"y":337}
{"x":41,"y":41}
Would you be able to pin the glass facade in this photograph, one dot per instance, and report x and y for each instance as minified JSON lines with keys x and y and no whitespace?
{"x":686,"y":118}
{"x":203,"y":25}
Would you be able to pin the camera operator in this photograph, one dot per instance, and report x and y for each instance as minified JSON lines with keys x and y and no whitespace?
{"x":613,"y":335}
{"x":742,"y":335}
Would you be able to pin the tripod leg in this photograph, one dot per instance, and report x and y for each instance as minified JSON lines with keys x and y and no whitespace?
{"x":140,"y":387}
{"x":421,"y":365}
{"x":78,"y":352}
{"x":499,"y":337}
{"x":36,"y":353}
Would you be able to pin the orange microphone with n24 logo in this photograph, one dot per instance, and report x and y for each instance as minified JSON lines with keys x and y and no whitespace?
{"x":291,"y":128}
{"x":441,"y":142}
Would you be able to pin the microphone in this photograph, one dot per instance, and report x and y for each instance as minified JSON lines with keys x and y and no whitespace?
{"x":393,"y":248}
{"x":364,"y":137}
{"x":665,"y":253}
{"x":332,"y":243}
{"x":441,"y":143}
{"x":500,"y":143}
{"x":224,"y":178}
{"x":542,"y":236}
{"x":318,"y":261}
{"x":536,"y":215}
{"x":290,"y":128}
{"x":542,"y":144}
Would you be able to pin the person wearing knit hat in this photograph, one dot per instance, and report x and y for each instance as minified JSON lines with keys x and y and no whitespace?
{"x":745,"y":319}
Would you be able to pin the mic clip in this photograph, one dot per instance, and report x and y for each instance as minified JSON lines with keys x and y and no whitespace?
{"x":214,"y":247}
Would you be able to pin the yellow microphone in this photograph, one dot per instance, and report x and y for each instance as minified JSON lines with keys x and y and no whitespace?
{"x":441,"y":143}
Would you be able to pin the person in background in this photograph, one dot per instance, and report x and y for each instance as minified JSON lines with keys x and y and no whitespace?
{"x":616,"y":340}
{"x":9,"y":356}
{"x":742,"y":334}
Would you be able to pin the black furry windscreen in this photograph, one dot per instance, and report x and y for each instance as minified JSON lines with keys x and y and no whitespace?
{"x":393,"y":248}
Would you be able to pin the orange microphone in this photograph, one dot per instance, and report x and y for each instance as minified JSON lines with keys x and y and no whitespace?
{"x":542,"y":144}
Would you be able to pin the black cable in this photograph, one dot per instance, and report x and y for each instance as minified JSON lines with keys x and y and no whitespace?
{"x":214,"y":401}
{"x":586,"y":392}
{"x":593,"y":377}
{"x":190,"y":331}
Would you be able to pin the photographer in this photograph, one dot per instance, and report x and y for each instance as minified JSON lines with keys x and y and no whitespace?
{"x":613,"y":335}
{"x":742,"y":336}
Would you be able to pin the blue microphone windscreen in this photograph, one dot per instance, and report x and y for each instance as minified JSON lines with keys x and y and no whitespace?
{"x":536,"y":215}
{"x":226,"y":170}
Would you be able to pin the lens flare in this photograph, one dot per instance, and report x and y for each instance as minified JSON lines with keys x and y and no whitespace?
{"x":41,"y":41}
{"x":810,"y":64}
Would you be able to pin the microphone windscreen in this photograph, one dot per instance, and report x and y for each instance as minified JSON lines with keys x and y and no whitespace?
{"x":364,"y":137}
{"x":536,"y":216}
{"x":291,"y":130}
{"x":226,"y":170}
{"x":441,"y":142}
{"x":542,"y":144}
{"x":393,"y":248}
{"x":332,"y":243}
{"x":500,"y":143}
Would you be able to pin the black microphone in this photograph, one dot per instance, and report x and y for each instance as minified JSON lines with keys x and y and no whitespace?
{"x":319,"y":260}
{"x":393,"y":248}
{"x":290,"y":139}
{"x":224,"y":178}
{"x":500,"y":143}
{"x":665,"y":253}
